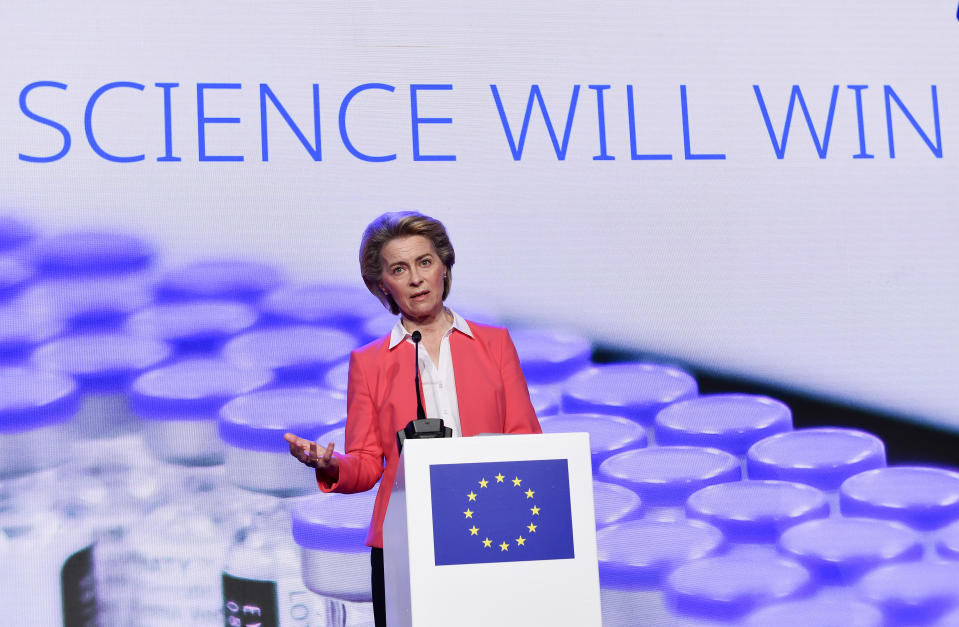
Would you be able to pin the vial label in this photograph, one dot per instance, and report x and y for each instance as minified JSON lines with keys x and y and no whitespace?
{"x":300,"y":607}
{"x":287,"y":603}
{"x":113,"y":562}
{"x":175,"y":587}
{"x":79,"y":590}
{"x":249,"y":602}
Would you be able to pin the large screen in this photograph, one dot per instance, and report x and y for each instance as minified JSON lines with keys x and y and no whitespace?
{"x":766,"y":191}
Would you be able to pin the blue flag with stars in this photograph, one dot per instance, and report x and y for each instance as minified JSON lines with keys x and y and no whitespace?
{"x":501,"y":512}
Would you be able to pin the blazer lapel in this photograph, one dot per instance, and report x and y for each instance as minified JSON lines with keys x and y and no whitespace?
{"x":397,"y":391}
{"x":474,"y":400}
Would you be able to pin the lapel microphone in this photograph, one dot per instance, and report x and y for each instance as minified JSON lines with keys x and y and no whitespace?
{"x":422,"y":428}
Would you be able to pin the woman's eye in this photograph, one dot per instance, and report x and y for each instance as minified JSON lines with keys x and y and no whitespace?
{"x":426,"y":262}
{"x":397,"y":270}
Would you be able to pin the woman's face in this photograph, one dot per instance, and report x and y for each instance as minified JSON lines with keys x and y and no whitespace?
{"x":413,"y":276}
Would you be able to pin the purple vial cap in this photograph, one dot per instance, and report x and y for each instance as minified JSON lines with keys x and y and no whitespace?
{"x":14,"y":232}
{"x":300,"y":352}
{"x":756,"y":510}
{"x":729,"y":586}
{"x":193,"y":389}
{"x":545,"y":400}
{"x":340,"y":306}
{"x":821,"y":457}
{"x":101,"y":361}
{"x":840,"y":550}
{"x":14,"y":276}
{"x":821,"y":611}
{"x":613,"y":504}
{"x":336,"y":523}
{"x":636,"y":391}
{"x":221,"y":279}
{"x":912,"y":592}
{"x":80,"y":253}
{"x":731,"y":422}
{"x":548,"y":356}
{"x":30,"y":399}
{"x":639,"y":553}
{"x":667,"y":475}
{"x":95,"y":302}
{"x":257,"y":421}
{"x":947,"y":541}
{"x":23,"y":328}
{"x":193,"y":326}
{"x":919,"y":496}
{"x":607,"y":434}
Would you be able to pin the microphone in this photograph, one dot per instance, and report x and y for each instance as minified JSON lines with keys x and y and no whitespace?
{"x":420,"y":412}
{"x":422,"y":428}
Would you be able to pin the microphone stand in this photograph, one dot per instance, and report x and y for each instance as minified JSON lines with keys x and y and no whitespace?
{"x":422,"y":428}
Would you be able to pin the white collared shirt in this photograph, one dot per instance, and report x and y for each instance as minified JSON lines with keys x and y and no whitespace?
{"x":439,"y":384}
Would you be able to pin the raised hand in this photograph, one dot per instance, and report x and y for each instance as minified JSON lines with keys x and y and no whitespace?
{"x":326,"y":464}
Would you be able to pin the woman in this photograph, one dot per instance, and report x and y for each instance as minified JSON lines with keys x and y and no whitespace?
{"x":406,"y":260}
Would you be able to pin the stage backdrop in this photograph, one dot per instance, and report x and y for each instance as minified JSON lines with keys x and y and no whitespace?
{"x":767,"y":190}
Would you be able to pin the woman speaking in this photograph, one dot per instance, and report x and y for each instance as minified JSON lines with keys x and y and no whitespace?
{"x":470,"y":373}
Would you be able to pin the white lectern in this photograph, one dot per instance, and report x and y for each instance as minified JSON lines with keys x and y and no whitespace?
{"x":492,"y":530}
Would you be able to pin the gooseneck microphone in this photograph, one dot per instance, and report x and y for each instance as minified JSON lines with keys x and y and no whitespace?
{"x":422,"y":428}
{"x":420,"y":412}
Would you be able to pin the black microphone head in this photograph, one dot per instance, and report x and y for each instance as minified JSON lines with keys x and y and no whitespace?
{"x":417,"y":336}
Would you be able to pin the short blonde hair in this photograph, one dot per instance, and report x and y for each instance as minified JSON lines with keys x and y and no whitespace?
{"x":390,"y":226}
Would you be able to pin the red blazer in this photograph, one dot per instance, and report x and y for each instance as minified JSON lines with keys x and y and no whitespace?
{"x":491,"y":394}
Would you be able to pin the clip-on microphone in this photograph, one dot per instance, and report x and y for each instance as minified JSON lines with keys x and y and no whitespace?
{"x":422,"y":428}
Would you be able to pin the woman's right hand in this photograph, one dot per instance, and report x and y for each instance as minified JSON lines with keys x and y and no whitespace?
{"x":326,"y":464}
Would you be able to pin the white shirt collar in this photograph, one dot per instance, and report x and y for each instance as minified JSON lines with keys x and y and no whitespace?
{"x":399,"y":332}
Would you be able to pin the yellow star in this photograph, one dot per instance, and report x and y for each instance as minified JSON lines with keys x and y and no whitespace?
{"x":520,"y":541}
{"x":535,"y":510}
{"x":517,"y":481}
{"x":483,"y":483}
{"x":504,"y":547}
{"x":487,"y":543}
{"x":529,"y":494}
{"x":468,"y":513}
{"x":472,"y":495}
{"x":499,"y":478}
{"x":531,"y":527}
{"x":474,"y":530}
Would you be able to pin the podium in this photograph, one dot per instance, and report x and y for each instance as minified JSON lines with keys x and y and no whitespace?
{"x":492,"y":530}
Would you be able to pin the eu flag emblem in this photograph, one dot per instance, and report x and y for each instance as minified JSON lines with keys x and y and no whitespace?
{"x":501,"y":512}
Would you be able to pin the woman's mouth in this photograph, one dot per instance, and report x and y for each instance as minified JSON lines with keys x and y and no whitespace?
{"x":419,"y":296}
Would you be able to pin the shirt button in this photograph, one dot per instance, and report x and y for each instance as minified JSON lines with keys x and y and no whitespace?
{"x":441,"y":386}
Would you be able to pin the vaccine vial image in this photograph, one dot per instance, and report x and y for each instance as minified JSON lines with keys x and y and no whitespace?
{"x":47,"y":575}
{"x":179,"y":404}
{"x":252,"y":427}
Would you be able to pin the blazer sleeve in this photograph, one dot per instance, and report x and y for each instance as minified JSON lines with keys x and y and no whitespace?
{"x":520,"y":416}
{"x":362,"y":463}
